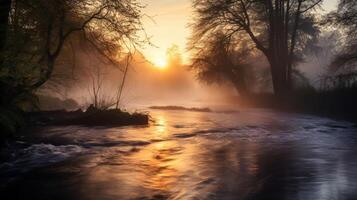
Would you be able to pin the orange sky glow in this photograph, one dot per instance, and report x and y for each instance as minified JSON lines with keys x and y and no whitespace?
{"x":167,"y":24}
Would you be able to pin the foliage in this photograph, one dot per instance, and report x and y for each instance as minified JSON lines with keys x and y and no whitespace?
{"x":220,"y":60}
{"x":110,"y":117}
{"x":345,"y":18}
{"x":280,"y":29}
{"x":38,"y":32}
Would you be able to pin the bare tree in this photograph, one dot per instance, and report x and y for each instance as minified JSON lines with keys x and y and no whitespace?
{"x":100,"y":98}
{"x":345,"y":19}
{"x":122,"y":83}
{"x":278,"y":28}
{"x":42,"y":28}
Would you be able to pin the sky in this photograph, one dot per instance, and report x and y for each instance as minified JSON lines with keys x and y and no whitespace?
{"x":166,"y":23}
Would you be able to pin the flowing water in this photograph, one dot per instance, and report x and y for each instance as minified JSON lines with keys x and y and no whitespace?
{"x":250,"y":154}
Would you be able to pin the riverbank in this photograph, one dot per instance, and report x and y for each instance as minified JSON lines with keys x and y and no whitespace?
{"x":90,"y":118}
{"x":336,"y":104}
{"x":111,"y":117}
{"x":259,"y":153}
{"x":193,"y":109}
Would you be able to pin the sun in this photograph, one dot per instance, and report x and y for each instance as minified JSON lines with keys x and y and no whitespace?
{"x":160,"y":63}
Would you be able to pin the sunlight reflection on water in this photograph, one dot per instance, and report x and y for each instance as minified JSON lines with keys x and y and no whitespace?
{"x":253,"y":154}
{"x":160,"y":125}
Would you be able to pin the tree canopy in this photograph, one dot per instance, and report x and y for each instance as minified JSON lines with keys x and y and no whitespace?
{"x":39,"y":31}
{"x":280,"y":29}
{"x":220,"y":60}
{"x":345,"y":18}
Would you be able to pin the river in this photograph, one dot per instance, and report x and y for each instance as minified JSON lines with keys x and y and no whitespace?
{"x":248,"y":154}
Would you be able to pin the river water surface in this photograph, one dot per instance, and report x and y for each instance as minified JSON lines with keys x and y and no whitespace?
{"x":250,"y":154}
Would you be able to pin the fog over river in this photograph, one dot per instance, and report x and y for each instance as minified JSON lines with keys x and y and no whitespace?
{"x":247,"y":154}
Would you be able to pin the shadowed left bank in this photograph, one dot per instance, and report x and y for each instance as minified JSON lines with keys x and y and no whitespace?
{"x":40,"y":46}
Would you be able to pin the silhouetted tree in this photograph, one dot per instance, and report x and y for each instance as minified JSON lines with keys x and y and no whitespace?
{"x":278,"y":28}
{"x":39,"y":30}
{"x":5,"y":7}
{"x":345,"y":18}
{"x":177,"y":76}
{"x":173,"y":55}
{"x":218,"y":61}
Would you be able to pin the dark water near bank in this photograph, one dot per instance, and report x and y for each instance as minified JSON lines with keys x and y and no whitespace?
{"x":252,"y":154}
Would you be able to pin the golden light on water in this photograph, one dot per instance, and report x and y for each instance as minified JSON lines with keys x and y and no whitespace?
{"x":161,"y":126}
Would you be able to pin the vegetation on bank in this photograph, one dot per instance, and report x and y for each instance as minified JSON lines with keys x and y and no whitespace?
{"x":39,"y":37}
{"x":337,"y":104}
{"x":91,"y":117}
{"x":258,"y":47}
{"x":246,"y":43}
{"x":12,"y":121}
{"x":235,"y":33}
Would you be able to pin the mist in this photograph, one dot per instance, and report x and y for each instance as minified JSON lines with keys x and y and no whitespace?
{"x":145,"y":85}
{"x":178,"y":99}
{"x":175,"y":84}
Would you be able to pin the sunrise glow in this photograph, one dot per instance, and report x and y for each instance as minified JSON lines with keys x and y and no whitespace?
{"x":178,"y":99}
{"x":160,"y":63}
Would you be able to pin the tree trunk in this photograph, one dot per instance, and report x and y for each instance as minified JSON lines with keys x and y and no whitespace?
{"x":278,"y":53}
{"x":5,"y":88}
{"x":5,"y":7}
{"x":45,"y":76}
{"x":278,"y":72}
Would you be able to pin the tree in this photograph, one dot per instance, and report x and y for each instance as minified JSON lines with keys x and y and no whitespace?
{"x":278,"y":28}
{"x":38,"y":31}
{"x":174,"y":56}
{"x":219,"y":61}
{"x":345,"y":18}
{"x":5,"y":7}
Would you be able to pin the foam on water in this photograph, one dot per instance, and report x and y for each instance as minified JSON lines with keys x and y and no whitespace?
{"x":250,"y":154}
{"x":39,"y":155}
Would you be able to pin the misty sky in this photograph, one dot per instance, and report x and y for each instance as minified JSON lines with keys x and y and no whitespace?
{"x":169,"y":24}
